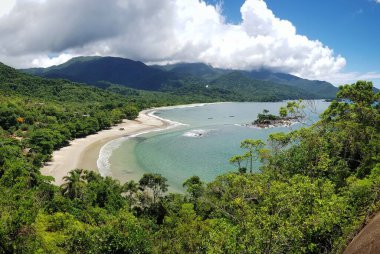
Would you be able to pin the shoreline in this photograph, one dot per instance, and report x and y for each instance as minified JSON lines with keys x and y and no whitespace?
{"x":85,"y":152}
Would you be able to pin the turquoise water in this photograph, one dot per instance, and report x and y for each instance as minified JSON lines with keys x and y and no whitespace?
{"x":180,"y":153}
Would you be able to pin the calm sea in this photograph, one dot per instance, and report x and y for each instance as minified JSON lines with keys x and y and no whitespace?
{"x":202,"y":146}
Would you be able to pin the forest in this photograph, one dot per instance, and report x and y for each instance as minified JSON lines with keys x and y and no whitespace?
{"x":190,"y":79}
{"x":316,"y":186}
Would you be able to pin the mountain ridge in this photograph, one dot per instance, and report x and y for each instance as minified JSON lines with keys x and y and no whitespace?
{"x":135,"y":74}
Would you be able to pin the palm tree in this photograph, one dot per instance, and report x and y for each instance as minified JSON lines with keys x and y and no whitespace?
{"x":74,"y":184}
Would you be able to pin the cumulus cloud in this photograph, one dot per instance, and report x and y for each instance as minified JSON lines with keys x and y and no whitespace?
{"x":161,"y":31}
{"x":6,"y":6}
{"x":351,"y":77}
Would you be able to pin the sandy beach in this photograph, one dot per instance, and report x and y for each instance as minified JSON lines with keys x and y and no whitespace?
{"x":84,"y":152}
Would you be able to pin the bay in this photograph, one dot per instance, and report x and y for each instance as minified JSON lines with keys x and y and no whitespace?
{"x":202,"y":146}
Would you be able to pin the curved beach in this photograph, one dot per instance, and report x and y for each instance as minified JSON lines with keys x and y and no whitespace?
{"x":84,"y":152}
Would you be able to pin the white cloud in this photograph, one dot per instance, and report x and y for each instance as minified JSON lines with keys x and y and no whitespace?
{"x":45,"y":61}
{"x":6,"y":6}
{"x":351,"y":77}
{"x":162,"y":31}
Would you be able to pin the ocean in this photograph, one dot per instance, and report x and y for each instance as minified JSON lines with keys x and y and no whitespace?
{"x":200,"y":142}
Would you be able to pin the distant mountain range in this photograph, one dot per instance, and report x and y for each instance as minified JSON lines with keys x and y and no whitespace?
{"x":188,"y":78}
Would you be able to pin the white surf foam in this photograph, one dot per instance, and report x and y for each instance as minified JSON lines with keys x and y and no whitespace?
{"x":103,"y":162}
{"x":199,"y":133}
{"x":105,"y":154}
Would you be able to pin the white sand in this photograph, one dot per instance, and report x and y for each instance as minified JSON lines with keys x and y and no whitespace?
{"x":84,"y":152}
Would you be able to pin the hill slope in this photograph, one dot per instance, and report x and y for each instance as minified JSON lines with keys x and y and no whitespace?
{"x":315,"y":185}
{"x":264,"y":90}
{"x":95,"y":70}
{"x":190,"y":78}
{"x":321,"y":89}
{"x":13,"y":82}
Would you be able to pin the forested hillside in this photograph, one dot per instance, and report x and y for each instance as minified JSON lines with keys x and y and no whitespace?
{"x":192,"y":79}
{"x":41,"y":115}
{"x":314,"y":88}
{"x":315,"y":187}
{"x":258,"y":90}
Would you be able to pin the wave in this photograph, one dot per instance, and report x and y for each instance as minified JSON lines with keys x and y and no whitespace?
{"x":199,"y":133}
{"x":171,"y":123}
{"x":103,"y":163}
{"x":105,"y":154}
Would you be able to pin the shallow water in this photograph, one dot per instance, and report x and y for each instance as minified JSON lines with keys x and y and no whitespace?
{"x":203,"y":146}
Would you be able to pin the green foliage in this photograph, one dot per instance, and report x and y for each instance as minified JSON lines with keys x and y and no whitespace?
{"x":237,"y":160}
{"x":249,"y":89}
{"x":253,"y":150}
{"x":308,"y":198}
{"x":194,"y":187}
{"x":314,"y":188}
{"x":154,"y":184}
{"x":262,"y":117}
{"x":62,"y":233}
{"x":74,"y":184}
{"x":193,"y":80}
{"x":283,"y":112}
{"x":131,"y":112}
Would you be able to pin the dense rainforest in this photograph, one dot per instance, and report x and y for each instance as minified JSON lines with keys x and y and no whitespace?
{"x":314,"y":190}
{"x":192,"y":79}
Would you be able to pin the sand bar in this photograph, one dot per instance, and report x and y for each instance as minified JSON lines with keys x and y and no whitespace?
{"x":84,"y":152}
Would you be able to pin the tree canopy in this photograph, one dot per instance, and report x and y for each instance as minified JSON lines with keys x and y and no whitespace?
{"x":313,"y":188}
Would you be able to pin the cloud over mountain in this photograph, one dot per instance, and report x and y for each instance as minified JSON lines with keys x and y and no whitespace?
{"x":45,"y":32}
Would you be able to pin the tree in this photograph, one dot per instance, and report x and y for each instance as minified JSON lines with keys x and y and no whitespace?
{"x":279,"y":140}
{"x":74,"y":184}
{"x":130,"y":189}
{"x":155,"y":183}
{"x":237,"y":160}
{"x":293,"y":109}
{"x":194,"y":187}
{"x":46,"y":140}
{"x":360,"y":93}
{"x":104,"y":192}
{"x":283,"y":112}
{"x":131,"y":112}
{"x":354,"y":124}
{"x":253,"y":147}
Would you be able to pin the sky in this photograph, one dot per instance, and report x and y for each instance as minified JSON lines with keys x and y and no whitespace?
{"x":332,"y":40}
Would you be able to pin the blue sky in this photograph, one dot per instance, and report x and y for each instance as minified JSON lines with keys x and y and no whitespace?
{"x":350,"y":27}
{"x":332,"y":40}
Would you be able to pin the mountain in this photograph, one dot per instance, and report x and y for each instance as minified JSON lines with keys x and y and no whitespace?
{"x":15,"y":83}
{"x":199,"y":70}
{"x":189,"y":78}
{"x":97,"y":70}
{"x":320,"y":89}
{"x":240,"y":83}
